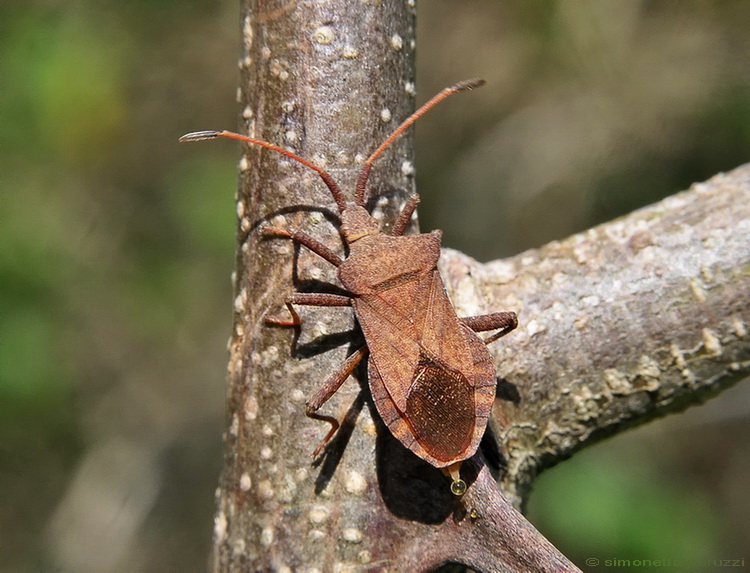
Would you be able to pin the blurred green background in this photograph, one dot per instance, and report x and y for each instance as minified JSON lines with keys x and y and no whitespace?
{"x":117,"y":248}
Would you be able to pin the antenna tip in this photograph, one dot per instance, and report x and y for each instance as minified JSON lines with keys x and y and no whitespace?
{"x":199,"y":135}
{"x":469,"y":84}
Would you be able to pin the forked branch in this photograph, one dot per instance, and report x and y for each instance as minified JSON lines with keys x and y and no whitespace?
{"x":617,"y":325}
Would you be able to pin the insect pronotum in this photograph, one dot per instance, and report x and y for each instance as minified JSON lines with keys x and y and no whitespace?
{"x":431,"y":376}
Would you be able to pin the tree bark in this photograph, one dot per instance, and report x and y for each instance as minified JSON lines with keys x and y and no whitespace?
{"x":619,"y":324}
{"x":644,"y":315}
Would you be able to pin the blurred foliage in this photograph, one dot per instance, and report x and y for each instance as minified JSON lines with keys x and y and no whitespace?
{"x":116,"y":249}
{"x":598,"y":506}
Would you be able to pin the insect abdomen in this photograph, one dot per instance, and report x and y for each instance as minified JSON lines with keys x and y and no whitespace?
{"x":440,"y":408}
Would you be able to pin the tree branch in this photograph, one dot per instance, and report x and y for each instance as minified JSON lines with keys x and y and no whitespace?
{"x":636,"y":318}
{"x":619,"y":324}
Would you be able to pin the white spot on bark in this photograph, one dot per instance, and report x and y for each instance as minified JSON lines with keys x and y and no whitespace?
{"x":266,"y":453}
{"x":318,"y":515}
{"x":240,"y":209}
{"x":266,"y":536}
{"x":740,"y":329}
{"x":290,"y":136}
{"x":649,"y":372}
{"x":288,"y":106}
{"x":364,"y":556}
{"x":535,"y":327}
{"x":220,"y":526}
{"x":319,"y":329}
{"x":316,"y":535}
{"x":368,"y":427}
{"x":239,"y":301}
{"x":267,"y":431}
{"x":245,"y":482}
{"x":297,"y":395}
{"x":385,"y":115}
{"x":323,"y":35}
{"x":269,"y":356}
{"x":234,"y":427}
{"x":342,"y":158}
{"x":616,"y":381}
{"x":315,"y":218}
{"x":352,"y":535}
{"x":397,"y":42}
{"x":251,"y":408}
{"x":697,"y":289}
{"x":265,"y":489}
{"x":247,"y":32}
{"x":238,"y":547}
{"x":410,"y":88}
{"x":647,"y":366}
{"x":679,"y":357}
{"x":287,"y":489}
{"x":711,"y":342}
{"x":350,"y":52}
{"x":591,"y":300}
{"x":320,"y":160}
{"x":265,"y":52}
{"x":278,"y":70}
{"x":407,"y":168}
{"x":355,"y":483}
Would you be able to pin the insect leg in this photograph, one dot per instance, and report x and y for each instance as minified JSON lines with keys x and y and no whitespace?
{"x":405,"y":216}
{"x":328,"y":389}
{"x":307,"y":299}
{"x":311,"y":299}
{"x":503,"y":322}
{"x":313,"y":244}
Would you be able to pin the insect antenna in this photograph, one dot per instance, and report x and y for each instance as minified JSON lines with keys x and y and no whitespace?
{"x":335,"y":190}
{"x":360,"y":195}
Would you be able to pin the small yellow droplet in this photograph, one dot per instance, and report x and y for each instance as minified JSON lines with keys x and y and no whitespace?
{"x":458,"y":487}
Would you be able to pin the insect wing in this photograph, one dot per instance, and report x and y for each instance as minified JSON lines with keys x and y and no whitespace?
{"x":419,"y":356}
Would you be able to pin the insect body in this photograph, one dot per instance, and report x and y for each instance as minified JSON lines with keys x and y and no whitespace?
{"x":431,"y":376}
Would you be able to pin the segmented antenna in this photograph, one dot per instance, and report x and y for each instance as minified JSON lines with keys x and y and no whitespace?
{"x":360,"y":192}
{"x":338,"y":195}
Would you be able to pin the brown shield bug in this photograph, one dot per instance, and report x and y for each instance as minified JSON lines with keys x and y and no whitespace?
{"x":431,"y":376}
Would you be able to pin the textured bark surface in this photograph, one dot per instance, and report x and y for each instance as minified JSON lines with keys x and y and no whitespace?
{"x":628,"y":321}
{"x":618,"y":325}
